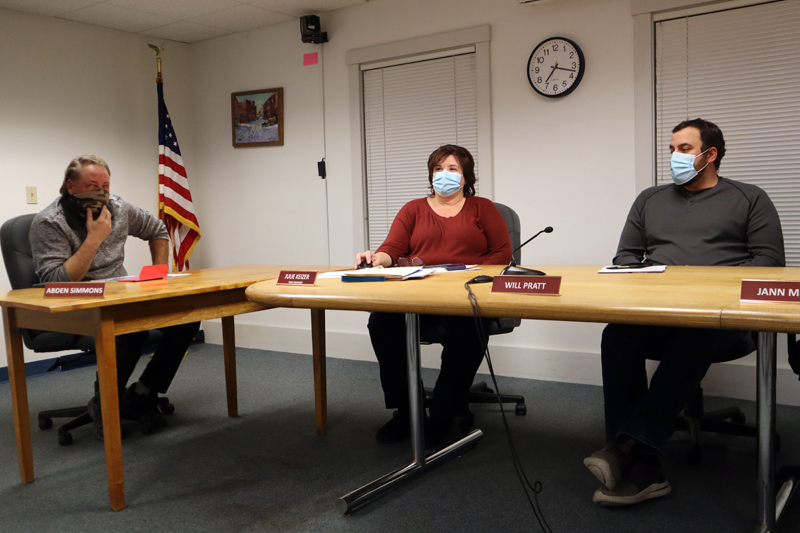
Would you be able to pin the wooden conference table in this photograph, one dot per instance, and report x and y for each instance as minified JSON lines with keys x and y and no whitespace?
{"x":703,"y":297}
{"x":128,"y":307}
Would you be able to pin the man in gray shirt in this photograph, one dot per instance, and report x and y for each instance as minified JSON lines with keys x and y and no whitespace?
{"x":700,"y":219}
{"x":81,"y":236}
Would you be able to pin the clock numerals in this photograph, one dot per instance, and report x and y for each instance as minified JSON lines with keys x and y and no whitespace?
{"x":555,"y":67}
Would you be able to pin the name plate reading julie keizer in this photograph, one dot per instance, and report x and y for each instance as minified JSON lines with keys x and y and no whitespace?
{"x":544,"y":285}
{"x":74,"y":290}
{"x":289,"y":277}
{"x":759,"y":290}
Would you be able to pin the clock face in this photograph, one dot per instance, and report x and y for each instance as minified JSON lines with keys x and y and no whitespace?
{"x":555,"y":67}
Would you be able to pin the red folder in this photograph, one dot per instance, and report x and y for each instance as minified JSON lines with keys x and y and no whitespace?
{"x":151,"y":272}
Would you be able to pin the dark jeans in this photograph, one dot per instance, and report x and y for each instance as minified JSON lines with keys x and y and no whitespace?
{"x":648,"y":414}
{"x":164,"y":364}
{"x":462,"y":353}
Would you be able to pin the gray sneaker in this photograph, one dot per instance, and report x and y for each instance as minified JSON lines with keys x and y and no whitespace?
{"x":643,"y":482}
{"x":608,"y":465}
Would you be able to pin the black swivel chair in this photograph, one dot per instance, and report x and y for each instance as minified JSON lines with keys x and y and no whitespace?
{"x":18,"y":260}
{"x":727,"y":421}
{"x":480,"y":392}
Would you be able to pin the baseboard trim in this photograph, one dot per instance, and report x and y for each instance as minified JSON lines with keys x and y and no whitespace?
{"x":736,"y":379}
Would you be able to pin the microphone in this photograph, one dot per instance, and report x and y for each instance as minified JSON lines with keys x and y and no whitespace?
{"x":513,"y":270}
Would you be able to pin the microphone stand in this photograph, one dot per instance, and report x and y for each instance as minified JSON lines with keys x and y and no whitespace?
{"x":513,"y":270}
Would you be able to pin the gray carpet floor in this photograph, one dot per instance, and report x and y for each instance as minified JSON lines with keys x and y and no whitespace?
{"x":268,"y":470}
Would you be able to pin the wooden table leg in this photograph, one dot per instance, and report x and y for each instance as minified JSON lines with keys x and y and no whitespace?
{"x":106,"y":348}
{"x":320,"y":379}
{"x":229,"y":351}
{"x":19,"y":395}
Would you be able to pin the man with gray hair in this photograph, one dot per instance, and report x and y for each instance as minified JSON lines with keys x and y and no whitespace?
{"x":81,"y":236}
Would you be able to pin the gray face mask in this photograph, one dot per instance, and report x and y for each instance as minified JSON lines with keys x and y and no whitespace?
{"x":94,"y":200}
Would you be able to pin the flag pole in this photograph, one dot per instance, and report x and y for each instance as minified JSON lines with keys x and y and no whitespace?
{"x":161,"y":215}
{"x":158,"y":50}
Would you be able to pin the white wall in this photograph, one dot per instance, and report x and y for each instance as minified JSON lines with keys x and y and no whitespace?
{"x":67,"y":89}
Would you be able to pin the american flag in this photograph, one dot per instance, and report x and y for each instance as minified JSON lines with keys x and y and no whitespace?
{"x":174,"y":199}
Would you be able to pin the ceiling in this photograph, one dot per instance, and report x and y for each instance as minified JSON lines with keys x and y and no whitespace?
{"x":185,"y":21}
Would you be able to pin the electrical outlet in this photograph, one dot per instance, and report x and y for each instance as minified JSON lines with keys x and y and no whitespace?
{"x":30,"y":195}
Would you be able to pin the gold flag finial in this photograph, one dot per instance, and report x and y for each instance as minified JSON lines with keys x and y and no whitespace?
{"x":157,"y":51}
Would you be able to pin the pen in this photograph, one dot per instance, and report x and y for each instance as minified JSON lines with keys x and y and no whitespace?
{"x":623,"y":267}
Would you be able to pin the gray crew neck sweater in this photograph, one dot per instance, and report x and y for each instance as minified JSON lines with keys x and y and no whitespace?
{"x":730,"y":224}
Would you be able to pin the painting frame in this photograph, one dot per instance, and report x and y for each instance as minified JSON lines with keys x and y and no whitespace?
{"x":249,"y":125}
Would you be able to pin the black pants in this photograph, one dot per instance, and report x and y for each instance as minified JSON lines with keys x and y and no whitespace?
{"x":648,"y":414}
{"x":462,"y":353}
{"x":164,"y":364}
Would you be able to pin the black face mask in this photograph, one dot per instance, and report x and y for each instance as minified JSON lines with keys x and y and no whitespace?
{"x":75,"y":206}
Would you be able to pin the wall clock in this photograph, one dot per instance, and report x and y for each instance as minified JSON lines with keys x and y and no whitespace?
{"x":556,"y":67}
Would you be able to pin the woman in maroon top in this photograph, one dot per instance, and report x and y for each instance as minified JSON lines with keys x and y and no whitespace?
{"x":452,"y":225}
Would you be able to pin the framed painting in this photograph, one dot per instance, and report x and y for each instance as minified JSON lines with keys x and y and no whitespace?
{"x":257,"y":118}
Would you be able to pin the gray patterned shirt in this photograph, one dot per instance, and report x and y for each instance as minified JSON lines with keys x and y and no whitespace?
{"x":53,"y":241}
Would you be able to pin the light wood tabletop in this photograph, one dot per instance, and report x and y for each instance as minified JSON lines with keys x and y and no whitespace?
{"x":680,"y":296}
{"x":128,"y":307}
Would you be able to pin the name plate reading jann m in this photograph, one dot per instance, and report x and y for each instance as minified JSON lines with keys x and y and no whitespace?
{"x":74,"y":290}
{"x":758,"y":290}
{"x":288,"y":277}
{"x":545,"y":285}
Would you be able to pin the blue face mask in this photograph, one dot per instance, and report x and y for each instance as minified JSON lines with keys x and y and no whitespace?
{"x":446,"y":183}
{"x":681,"y":167}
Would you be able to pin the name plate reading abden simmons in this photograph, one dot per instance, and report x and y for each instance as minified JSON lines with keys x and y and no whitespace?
{"x":288,"y":277}
{"x":544,"y":285}
{"x":759,"y":290}
{"x":74,"y":290}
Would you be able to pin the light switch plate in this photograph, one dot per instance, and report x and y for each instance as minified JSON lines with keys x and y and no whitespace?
{"x":30,"y":195}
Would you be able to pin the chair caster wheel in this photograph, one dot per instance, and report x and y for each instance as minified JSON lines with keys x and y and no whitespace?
{"x":695,"y":454}
{"x":167,"y":409}
{"x":45,"y":423}
{"x":521,"y":409}
{"x":739,"y":418}
{"x":64,"y":439}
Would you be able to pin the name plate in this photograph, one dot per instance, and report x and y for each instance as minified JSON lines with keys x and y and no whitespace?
{"x":289,"y":277}
{"x":756,"y":290}
{"x":74,"y":290}
{"x":545,"y":285}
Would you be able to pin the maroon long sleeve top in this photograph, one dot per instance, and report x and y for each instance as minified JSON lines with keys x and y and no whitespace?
{"x":476,"y":235}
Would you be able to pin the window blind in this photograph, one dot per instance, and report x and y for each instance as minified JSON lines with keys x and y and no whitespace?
{"x":739,"y":69}
{"x":410,"y":110}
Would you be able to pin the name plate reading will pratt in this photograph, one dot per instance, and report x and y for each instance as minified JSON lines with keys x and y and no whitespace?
{"x":288,"y":277}
{"x":757,"y":290}
{"x":74,"y":290}
{"x":545,"y":285}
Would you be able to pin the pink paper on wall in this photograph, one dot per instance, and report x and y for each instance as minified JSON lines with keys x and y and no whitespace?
{"x":310,"y":59}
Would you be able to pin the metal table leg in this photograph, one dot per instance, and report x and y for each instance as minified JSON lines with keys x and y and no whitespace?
{"x":765,"y":394}
{"x":363,"y":495}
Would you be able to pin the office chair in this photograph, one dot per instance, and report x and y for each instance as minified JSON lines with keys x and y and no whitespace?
{"x":727,"y":421}
{"x":480,"y":392}
{"x":18,"y":260}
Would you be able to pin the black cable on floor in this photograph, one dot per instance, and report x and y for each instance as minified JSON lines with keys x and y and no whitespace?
{"x":531,"y":490}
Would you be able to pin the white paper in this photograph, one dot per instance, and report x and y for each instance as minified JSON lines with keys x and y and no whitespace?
{"x":373,"y":271}
{"x":643,"y":270}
